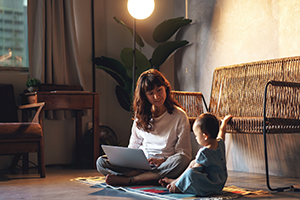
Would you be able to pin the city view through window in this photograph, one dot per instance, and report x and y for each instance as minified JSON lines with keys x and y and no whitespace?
{"x":13,"y":33}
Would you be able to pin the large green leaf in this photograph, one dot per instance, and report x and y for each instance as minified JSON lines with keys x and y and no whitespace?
{"x":138,"y":38}
{"x":126,"y":56}
{"x":113,"y":67}
{"x":123,"y":98}
{"x":128,"y":85}
{"x":142,"y":63}
{"x":164,"y":50}
{"x":167,"y":28}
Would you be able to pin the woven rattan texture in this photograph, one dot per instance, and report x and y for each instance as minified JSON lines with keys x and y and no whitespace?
{"x":239,"y":90}
{"x":191,"y":102}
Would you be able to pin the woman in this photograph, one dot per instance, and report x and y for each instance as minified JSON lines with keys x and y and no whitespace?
{"x":161,"y":128}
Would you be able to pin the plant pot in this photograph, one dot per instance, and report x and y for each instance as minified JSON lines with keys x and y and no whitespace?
{"x":33,"y":89}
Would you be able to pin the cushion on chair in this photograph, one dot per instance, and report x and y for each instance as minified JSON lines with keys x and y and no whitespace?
{"x":20,"y":130}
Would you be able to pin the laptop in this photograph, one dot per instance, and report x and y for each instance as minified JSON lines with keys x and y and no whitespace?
{"x":127,"y":157}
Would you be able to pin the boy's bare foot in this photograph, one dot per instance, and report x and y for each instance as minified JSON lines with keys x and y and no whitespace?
{"x":115,"y":180}
{"x":172,"y":187}
{"x":165,"y":181}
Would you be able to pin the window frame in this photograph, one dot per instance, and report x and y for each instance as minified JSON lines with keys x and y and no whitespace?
{"x":14,"y":69}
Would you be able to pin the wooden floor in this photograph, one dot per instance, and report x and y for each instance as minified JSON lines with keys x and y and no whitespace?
{"x":57,"y":185}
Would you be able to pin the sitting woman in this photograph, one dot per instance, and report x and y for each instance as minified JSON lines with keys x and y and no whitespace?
{"x":160,"y":128}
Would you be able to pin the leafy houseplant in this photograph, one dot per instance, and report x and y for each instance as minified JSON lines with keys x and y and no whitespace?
{"x":122,"y":71}
{"x":33,"y":84}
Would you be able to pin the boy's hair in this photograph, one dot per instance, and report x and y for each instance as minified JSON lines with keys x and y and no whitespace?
{"x":209,"y":124}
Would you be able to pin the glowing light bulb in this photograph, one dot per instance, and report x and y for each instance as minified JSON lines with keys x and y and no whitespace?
{"x":140,"y":9}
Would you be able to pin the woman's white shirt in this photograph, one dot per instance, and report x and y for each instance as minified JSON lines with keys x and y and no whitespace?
{"x":170,"y":135}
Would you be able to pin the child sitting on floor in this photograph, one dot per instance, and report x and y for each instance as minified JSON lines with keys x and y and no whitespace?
{"x":206,"y":174}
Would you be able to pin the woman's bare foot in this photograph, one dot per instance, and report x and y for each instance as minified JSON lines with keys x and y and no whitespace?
{"x":165,"y":181}
{"x":133,"y":173}
{"x":115,"y":180}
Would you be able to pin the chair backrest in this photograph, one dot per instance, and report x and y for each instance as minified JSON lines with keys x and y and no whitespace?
{"x":239,"y":89}
{"x":8,"y":108}
{"x":192,"y":102}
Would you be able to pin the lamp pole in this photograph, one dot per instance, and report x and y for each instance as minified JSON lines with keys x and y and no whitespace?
{"x":134,"y":59}
{"x":138,"y":9}
{"x":93,"y":45}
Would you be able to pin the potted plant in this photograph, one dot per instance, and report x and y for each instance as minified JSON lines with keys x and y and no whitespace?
{"x":33,"y":84}
{"x":122,"y":71}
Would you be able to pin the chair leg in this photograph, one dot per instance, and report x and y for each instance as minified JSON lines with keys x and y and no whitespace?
{"x":41,"y":160}
{"x":265,"y":120}
{"x":42,"y":169}
{"x":279,"y":189}
{"x":25,"y":163}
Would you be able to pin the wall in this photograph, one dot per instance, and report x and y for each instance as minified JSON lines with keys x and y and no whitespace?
{"x":227,"y":32}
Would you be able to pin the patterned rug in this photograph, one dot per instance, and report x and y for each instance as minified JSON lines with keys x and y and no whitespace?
{"x":159,"y":192}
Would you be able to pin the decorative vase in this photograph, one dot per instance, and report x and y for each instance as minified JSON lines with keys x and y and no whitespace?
{"x":33,"y":89}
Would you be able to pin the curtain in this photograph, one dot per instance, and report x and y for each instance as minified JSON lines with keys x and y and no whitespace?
{"x":52,"y":43}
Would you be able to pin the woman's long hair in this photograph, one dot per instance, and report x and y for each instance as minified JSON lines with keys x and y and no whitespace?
{"x":148,"y":80}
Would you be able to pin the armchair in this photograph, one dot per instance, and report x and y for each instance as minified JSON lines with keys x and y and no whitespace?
{"x":20,"y":138}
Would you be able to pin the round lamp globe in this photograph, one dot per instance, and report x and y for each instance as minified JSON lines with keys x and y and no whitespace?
{"x":140,"y":9}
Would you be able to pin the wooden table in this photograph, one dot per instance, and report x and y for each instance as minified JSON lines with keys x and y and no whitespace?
{"x":71,"y":100}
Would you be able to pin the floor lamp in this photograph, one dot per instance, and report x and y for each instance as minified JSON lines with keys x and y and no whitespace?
{"x":138,"y":9}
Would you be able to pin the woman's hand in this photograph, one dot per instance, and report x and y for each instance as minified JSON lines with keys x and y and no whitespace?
{"x":156,"y":161}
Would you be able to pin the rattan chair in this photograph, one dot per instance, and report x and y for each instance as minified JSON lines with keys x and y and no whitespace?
{"x":262,"y":96}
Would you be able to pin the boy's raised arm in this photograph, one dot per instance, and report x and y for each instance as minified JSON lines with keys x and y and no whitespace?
{"x":222,"y":130}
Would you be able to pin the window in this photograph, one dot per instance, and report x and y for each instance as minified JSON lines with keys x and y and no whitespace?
{"x":13,"y":34}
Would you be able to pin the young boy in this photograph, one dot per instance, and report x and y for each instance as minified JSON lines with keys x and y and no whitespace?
{"x":206,"y":174}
